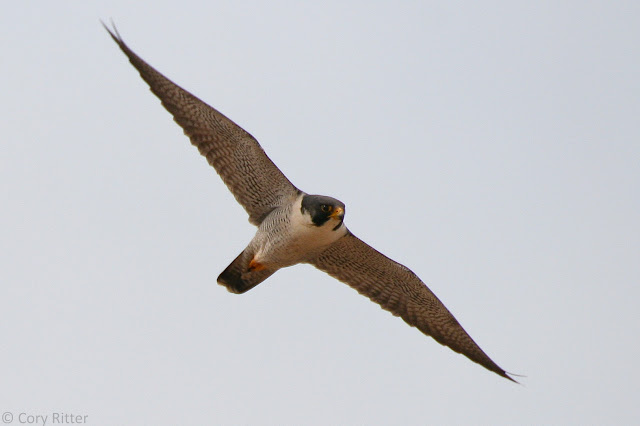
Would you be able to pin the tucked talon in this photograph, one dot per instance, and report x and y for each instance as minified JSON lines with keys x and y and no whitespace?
{"x":256,"y":266}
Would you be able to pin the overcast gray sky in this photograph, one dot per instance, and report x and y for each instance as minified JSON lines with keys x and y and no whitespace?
{"x":492,"y":148}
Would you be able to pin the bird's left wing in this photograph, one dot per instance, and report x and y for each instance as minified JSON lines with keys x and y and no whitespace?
{"x":398,"y":290}
{"x":257,"y":184}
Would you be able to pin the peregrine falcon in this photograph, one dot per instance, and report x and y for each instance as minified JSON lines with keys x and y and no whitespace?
{"x":296,"y":227}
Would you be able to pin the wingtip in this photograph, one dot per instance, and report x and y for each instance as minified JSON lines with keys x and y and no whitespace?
{"x":508,"y":375}
{"x":115,"y":35}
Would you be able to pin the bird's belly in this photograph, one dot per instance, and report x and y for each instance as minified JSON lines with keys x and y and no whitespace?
{"x":299,"y":246}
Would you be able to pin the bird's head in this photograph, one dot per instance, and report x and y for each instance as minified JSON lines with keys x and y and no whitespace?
{"x":323,"y":210}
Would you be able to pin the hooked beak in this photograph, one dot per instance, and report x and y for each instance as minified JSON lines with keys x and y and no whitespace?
{"x":338,"y":213}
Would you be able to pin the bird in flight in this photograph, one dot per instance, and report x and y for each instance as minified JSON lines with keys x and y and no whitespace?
{"x":296,"y":227}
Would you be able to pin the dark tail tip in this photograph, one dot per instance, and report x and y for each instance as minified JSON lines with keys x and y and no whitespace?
{"x":231,"y":278}
{"x":237,"y":278}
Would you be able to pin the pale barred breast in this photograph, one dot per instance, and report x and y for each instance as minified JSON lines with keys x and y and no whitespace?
{"x":288,"y":236}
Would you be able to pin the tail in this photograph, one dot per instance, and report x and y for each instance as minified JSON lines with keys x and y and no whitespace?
{"x":238,"y":278}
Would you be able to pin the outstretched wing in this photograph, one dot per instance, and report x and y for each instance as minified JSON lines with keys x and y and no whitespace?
{"x":257,"y":184}
{"x":399,"y":291}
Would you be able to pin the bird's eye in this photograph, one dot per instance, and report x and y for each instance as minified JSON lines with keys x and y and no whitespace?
{"x":325,"y":208}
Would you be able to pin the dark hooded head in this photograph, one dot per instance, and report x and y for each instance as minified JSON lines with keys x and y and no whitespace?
{"x":322,"y":209}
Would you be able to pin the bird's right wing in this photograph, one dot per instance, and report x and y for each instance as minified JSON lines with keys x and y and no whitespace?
{"x":257,"y":184}
{"x":398,"y":290}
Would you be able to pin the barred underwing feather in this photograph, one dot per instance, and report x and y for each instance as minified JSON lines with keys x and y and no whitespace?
{"x":398,"y":290}
{"x":257,"y":184}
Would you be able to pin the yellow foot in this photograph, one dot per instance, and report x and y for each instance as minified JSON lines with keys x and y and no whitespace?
{"x":255,"y":266}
